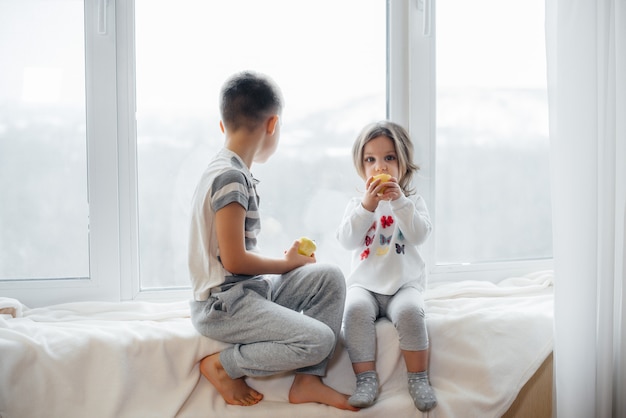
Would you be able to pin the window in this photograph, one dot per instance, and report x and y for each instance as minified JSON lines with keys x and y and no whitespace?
{"x":493,"y":197}
{"x":480,"y":115}
{"x":58,"y":167}
{"x":333,"y":81}
{"x":109,"y":121}
{"x":43,"y":157}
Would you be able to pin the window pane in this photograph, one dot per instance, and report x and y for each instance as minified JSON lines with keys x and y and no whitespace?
{"x":492,"y":172}
{"x":43,"y":168}
{"x":333,"y":81}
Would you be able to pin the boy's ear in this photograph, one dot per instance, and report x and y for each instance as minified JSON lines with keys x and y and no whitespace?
{"x":272,"y":122}
{"x":222,"y":127}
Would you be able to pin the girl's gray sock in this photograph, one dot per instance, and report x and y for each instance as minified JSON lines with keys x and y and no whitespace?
{"x":422,"y":393}
{"x":366,"y":390}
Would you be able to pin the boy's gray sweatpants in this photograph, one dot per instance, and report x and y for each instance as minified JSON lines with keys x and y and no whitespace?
{"x":405,"y":310}
{"x":277,"y":323}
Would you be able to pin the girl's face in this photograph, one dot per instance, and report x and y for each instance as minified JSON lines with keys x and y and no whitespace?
{"x":379,"y":156}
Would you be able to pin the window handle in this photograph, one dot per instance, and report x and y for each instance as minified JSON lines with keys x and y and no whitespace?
{"x":102,"y":17}
{"x":425,"y":7}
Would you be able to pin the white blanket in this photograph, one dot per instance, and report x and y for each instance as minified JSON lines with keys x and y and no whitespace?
{"x":140,"y":359}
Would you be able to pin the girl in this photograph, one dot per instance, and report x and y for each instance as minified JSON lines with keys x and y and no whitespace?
{"x":384,"y":228}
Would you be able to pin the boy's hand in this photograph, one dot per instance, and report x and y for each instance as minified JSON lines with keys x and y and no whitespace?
{"x":295,"y":259}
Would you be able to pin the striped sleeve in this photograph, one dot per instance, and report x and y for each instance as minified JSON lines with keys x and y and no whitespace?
{"x":228,"y":187}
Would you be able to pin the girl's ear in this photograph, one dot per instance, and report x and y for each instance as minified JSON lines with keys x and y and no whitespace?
{"x":272,"y":122}
{"x":222,"y":127}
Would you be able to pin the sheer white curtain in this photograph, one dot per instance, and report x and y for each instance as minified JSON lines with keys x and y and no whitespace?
{"x":586,"y":47}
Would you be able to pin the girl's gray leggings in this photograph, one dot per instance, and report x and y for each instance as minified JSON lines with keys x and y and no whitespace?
{"x":405,"y":310}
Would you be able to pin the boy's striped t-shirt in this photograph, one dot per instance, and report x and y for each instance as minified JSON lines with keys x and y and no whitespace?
{"x":226,"y":180}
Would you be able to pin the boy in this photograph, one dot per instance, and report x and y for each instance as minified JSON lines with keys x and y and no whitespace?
{"x":280,"y":314}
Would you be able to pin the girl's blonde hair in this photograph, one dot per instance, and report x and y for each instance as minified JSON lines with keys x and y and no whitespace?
{"x":402,"y":144}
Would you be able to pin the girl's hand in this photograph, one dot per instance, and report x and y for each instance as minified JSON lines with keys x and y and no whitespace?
{"x":378,"y":190}
{"x":295,"y":259}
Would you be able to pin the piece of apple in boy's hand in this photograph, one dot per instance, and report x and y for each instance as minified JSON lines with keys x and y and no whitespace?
{"x":307,"y":246}
{"x":383,"y":177}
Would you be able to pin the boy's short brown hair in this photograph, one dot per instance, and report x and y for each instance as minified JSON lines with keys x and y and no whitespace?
{"x":247,"y":99}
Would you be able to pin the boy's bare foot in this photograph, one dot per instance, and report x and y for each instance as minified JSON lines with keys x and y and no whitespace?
{"x":310,"y":388}
{"x":234,"y":391}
